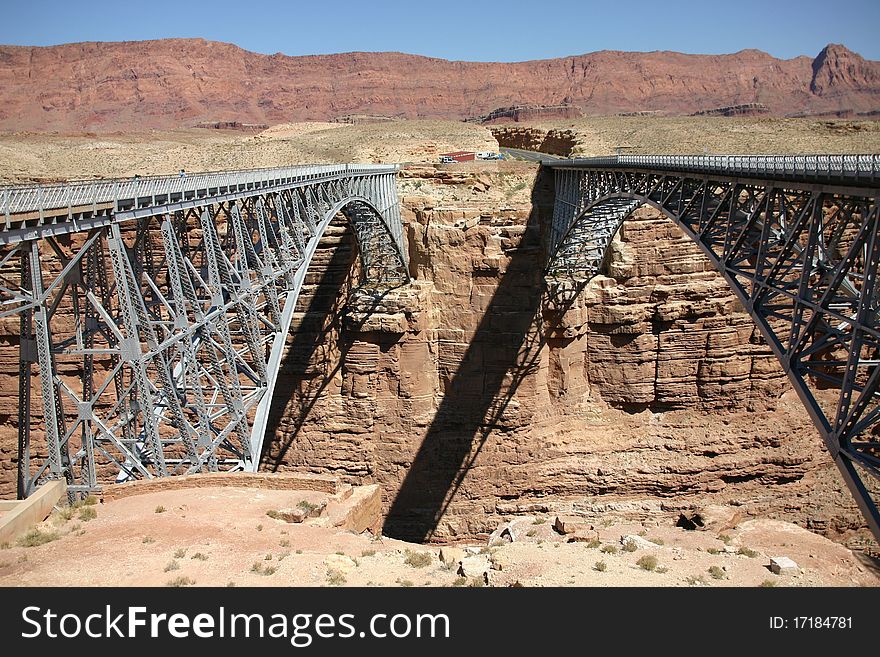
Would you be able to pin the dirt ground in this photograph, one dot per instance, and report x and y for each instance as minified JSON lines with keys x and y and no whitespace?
{"x":188,"y":537}
{"x":697,"y":135}
{"x":31,"y":157}
{"x":41,"y":157}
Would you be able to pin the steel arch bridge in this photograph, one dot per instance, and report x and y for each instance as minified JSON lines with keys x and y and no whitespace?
{"x":797,"y":240}
{"x":153,"y":312}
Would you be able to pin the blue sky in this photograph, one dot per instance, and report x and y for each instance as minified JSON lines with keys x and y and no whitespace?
{"x":503,"y":30}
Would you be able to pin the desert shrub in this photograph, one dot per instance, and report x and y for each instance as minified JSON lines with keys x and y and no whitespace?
{"x":647,"y":562}
{"x":716,"y":572}
{"x":37,"y":537}
{"x":181,"y":581}
{"x":335,"y":577}
{"x":601,"y":566}
{"x":417,"y":559}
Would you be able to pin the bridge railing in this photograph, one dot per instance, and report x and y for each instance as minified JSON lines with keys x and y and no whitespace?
{"x":83,"y":193}
{"x":826,"y":168}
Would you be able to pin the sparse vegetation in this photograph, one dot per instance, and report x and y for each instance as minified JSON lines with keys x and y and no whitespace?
{"x":713,"y":550}
{"x":695,"y":580}
{"x":724,"y":538}
{"x":459,"y":581}
{"x":62,"y":515}
{"x":336,"y":577}
{"x":299,"y":551}
{"x":601,"y":566}
{"x":283,"y":555}
{"x":180,"y":553}
{"x":160,"y":509}
{"x":259,"y":528}
{"x":609,"y":549}
{"x":406,"y":582}
{"x":308,"y":507}
{"x":148,"y":539}
{"x":531,"y":532}
{"x":37,"y":537}
{"x":272,"y":513}
{"x":647,"y":562}
{"x":368,"y":553}
{"x":595,"y":543}
{"x":661,"y":569}
{"x":657,"y":541}
{"x":417,"y":559}
{"x":767,"y":584}
{"x":260,"y":570}
{"x":181,"y":581}
{"x":5,"y":545}
{"x":284,"y":543}
{"x":199,"y":556}
{"x":477,"y":582}
{"x":90,"y":500}
{"x":630,"y":546}
{"x":268,"y":557}
{"x":172,"y":565}
{"x":539,"y":520}
{"x":747,"y":552}
{"x":716,"y":572}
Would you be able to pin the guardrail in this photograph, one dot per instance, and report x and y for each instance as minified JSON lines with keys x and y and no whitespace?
{"x":860,"y":169}
{"x":84,"y":193}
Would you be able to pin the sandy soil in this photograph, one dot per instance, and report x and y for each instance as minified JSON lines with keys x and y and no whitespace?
{"x":129,"y":543}
{"x":29,"y":157}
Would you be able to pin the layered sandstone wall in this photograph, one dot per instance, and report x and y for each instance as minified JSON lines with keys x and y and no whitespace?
{"x":552,"y":141}
{"x":471,"y":395}
{"x":185,"y":82}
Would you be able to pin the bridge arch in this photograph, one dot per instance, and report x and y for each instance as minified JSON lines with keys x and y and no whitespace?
{"x":171,"y":297}
{"x":383,"y":266}
{"x":801,"y":259}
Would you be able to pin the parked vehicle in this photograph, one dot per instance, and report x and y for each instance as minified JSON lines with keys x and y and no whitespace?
{"x":458,"y":156}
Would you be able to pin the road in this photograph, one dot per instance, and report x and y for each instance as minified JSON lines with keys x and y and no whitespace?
{"x":530,"y":156}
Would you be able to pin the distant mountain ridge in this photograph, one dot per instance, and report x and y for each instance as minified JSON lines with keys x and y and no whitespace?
{"x":183,"y":82}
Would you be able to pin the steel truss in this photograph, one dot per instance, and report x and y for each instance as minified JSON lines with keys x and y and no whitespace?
{"x":153,"y":313}
{"x":800,"y":253}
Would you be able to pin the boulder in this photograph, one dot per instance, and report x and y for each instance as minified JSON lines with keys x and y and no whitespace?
{"x":784,"y":566}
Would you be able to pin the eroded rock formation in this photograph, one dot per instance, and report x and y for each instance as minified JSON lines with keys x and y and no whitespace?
{"x":472,"y":395}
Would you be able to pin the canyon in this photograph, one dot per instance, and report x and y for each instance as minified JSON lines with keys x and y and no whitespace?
{"x":474,"y":397}
{"x":176,"y":83}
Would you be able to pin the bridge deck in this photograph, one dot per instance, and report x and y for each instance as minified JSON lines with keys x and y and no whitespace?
{"x":38,"y":210}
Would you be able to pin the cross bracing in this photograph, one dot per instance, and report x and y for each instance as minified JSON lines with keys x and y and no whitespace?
{"x":153,"y":312}
{"x":796,"y":238}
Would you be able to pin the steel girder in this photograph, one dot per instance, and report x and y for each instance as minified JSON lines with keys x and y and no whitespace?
{"x":801,"y":257}
{"x":157,"y":331}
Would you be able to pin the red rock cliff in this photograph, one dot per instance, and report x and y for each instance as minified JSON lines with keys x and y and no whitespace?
{"x":174,"y":82}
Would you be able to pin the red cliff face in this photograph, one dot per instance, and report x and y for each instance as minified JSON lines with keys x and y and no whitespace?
{"x":183,"y":82}
{"x":842,"y":74}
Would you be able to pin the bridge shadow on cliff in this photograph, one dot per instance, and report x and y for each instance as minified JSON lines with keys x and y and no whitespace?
{"x":504,"y":350}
